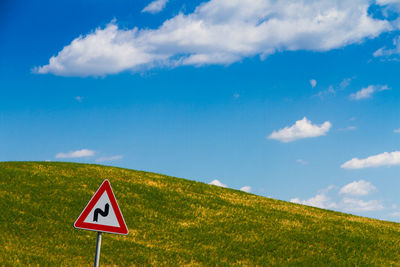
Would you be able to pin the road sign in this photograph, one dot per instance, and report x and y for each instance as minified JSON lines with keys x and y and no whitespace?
{"x":102,"y":213}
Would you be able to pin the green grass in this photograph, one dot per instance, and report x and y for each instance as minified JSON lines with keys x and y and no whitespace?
{"x":175,"y":222}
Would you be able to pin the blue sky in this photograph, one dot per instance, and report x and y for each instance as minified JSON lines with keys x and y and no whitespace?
{"x":294,"y":100}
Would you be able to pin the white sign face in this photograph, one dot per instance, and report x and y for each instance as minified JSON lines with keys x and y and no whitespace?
{"x":103,"y":212}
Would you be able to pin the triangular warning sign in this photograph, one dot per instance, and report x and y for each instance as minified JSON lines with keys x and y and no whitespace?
{"x":102,"y":213}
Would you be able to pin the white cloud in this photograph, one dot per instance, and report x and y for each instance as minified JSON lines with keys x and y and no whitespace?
{"x":351,"y":204}
{"x":388,"y":7}
{"x":217,"y":183}
{"x":364,"y":93}
{"x":79,"y":98}
{"x":320,"y":201}
{"x":383,"y":159}
{"x":396,"y":130}
{"x":76,"y":154}
{"x":155,"y":6}
{"x":301,"y":129}
{"x":313,"y":83}
{"x":246,"y":188}
{"x":385,"y":52}
{"x":368,"y":91}
{"x":357,"y":188}
{"x":112,"y":158}
{"x":219,"y":32}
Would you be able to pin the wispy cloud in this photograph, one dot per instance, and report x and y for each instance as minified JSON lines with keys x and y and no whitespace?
{"x":112,"y":158}
{"x":301,"y":129}
{"x":218,"y":32}
{"x":75,"y":154}
{"x":345,"y":83}
{"x":348,"y":128}
{"x":328,"y":92}
{"x":301,"y":161}
{"x":389,"y":52}
{"x":352,"y":204}
{"x":155,"y":6}
{"x":395,"y":214}
{"x":79,"y":98}
{"x":357,"y":188}
{"x":383,"y":159}
{"x":333,"y":89}
{"x":396,"y":130}
{"x":324,"y":198}
{"x":367,"y":92}
{"x":320,"y":200}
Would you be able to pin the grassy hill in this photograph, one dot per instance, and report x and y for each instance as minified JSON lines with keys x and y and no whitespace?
{"x":175,"y":222}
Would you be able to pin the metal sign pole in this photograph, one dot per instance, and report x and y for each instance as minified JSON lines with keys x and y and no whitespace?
{"x":98,"y":245}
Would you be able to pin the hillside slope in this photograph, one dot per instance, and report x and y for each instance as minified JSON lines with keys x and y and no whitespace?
{"x":175,"y":222}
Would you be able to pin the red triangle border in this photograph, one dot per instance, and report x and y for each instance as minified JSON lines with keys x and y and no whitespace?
{"x":80,"y":224}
